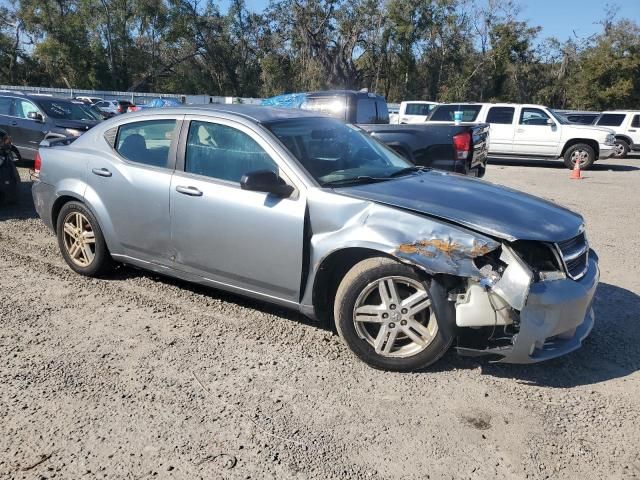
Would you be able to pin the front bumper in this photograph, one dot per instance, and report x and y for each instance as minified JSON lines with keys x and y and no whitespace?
{"x":606,"y":151}
{"x":556,"y":318}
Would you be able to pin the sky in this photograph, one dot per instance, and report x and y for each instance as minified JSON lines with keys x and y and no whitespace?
{"x":558,"y":18}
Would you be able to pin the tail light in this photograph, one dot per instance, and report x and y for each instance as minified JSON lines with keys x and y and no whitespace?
{"x":119,"y":108}
{"x":37,"y":164}
{"x":462,"y":145}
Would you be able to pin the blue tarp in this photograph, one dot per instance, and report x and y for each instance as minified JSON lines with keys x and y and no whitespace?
{"x":288,"y":100}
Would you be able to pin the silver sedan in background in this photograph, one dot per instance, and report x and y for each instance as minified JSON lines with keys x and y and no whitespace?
{"x":304,"y":211}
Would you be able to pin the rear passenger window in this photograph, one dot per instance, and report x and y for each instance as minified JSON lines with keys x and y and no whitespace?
{"x":502,"y":115}
{"x":146,"y":142}
{"x":366,"y":111}
{"x":635,"y":123}
{"x":5,"y":105}
{"x":222,"y":152}
{"x":611,"y":119}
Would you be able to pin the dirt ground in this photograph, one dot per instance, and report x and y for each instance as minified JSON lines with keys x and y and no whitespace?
{"x":139,"y":376}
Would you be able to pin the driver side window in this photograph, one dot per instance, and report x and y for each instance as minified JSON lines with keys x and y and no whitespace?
{"x":223,"y":152}
{"x":533,"y":116}
{"x":24,"y":107}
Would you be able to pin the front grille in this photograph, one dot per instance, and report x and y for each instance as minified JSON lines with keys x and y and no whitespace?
{"x":575,"y":255}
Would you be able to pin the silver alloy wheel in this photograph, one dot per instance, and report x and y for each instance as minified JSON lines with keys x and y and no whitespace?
{"x":393,"y":315}
{"x":618,"y":150}
{"x":79,"y":239}
{"x":579,"y":155}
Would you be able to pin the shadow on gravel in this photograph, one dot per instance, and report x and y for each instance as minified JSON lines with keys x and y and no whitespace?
{"x":603,"y":166}
{"x":126,"y":272}
{"x":611,"y":351}
{"x":23,"y":208}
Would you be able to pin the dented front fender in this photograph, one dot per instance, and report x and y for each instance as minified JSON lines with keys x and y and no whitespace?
{"x":339,"y":222}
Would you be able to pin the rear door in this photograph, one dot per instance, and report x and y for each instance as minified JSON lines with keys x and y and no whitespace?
{"x":244,"y":239}
{"x":503,"y":123}
{"x":537,"y":134}
{"x":634,"y":129}
{"x":129,"y":186}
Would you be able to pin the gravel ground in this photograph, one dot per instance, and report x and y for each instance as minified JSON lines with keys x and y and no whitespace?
{"x":138,"y":376}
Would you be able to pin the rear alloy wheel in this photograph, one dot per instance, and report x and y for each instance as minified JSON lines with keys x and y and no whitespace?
{"x":389,"y":316}
{"x":621,"y":148}
{"x":80,"y":240}
{"x":582,"y":153}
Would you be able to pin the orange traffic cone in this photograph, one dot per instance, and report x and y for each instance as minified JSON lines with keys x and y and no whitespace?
{"x":575,"y":173}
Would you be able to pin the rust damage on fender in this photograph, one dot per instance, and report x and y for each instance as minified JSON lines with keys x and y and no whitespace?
{"x":435,"y":246}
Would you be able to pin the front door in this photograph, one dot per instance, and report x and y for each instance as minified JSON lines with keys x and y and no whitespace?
{"x":129,"y":187}
{"x":243,"y":239}
{"x":26,"y":132}
{"x":536,"y":134}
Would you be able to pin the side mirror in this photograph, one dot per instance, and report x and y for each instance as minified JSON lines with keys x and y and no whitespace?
{"x":551,"y":123}
{"x":266,"y":181}
{"x":35,"y":116}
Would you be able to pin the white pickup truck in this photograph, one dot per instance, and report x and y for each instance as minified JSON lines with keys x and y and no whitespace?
{"x":532,"y":132}
{"x":626,"y":126}
{"x":412,"y":112}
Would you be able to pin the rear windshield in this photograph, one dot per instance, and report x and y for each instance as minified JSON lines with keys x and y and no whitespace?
{"x":65,"y":110}
{"x":444,"y":113}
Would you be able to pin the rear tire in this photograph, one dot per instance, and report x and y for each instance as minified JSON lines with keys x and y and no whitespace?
{"x":621,"y":148}
{"x":391,"y":317}
{"x":81,"y":241}
{"x":582,"y":152}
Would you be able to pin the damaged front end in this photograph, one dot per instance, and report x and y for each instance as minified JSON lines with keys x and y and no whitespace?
{"x":519,"y":301}
{"x":529,"y":305}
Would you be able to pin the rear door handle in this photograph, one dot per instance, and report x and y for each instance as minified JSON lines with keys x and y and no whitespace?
{"x":632,"y":130}
{"x":520,"y":130}
{"x":101,"y":172}
{"x":14,"y":123}
{"x":191,"y":191}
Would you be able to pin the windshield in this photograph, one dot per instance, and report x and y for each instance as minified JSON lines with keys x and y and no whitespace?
{"x":560,"y":118}
{"x":445,"y":113}
{"x":335,"y":153}
{"x":65,"y":110}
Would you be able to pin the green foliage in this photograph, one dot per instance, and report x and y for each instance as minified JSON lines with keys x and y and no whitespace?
{"x":446,"y":50}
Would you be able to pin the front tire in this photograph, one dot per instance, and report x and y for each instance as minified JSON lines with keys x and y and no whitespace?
{"x":392,"y":318}
{"x":581,"y":152}
{"x":81,"y":240}
{"x":621,"y":148}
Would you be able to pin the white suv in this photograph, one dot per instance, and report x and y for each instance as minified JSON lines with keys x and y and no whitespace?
{"x":532,"y":132}
{"x":626,"y":125}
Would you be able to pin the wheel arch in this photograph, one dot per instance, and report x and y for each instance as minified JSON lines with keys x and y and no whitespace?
{"x":625,"y":139}
{"x":60,"y":202}
{"x":575,"y":141}
{"x":330,"y":273}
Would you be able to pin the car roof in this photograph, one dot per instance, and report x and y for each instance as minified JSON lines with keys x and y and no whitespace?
{"x":331,"y":93}
{"x":257,"y":113}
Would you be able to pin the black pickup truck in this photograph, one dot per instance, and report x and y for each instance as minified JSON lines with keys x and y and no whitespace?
{"x":455,"y":148}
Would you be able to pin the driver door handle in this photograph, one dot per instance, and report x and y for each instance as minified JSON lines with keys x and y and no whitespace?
{"x":191,"y":191}
{"x":14,"y":123}
{"x":520,"y":130}
{"x":101,"y":172}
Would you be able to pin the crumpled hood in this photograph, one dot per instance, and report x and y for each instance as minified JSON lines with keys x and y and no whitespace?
{"x":475,"y":204}
{"x":76,"y":124}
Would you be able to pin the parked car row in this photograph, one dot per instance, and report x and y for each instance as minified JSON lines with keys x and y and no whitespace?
{"x":531,"y":132}
{"x":406,"y":261}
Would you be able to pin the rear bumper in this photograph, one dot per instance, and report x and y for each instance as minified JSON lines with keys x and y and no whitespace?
{"x":44,"y":197}
{"x":606,"y":151}
{"x":557,"y":317}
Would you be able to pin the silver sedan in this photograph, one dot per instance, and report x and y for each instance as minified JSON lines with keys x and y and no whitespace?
{"x":304,"y":211}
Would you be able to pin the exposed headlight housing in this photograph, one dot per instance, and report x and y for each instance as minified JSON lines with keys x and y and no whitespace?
{"x":542,"y":258}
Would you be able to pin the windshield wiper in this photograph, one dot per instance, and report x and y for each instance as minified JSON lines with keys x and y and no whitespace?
{"x":358,"y":179}
{"x":406,"y":171}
